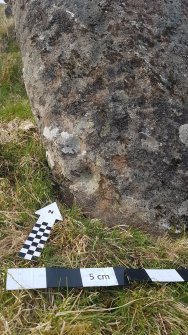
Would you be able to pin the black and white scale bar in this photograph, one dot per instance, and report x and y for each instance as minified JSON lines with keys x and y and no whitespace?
{"x":40,"y":278}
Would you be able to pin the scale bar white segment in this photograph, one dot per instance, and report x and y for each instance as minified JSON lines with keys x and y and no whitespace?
{"x":164,"y":276}
{"x":92,"y":277}
{"x":26,"y":278}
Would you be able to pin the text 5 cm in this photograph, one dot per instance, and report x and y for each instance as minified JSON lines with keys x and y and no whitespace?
{"x":100,"y":277}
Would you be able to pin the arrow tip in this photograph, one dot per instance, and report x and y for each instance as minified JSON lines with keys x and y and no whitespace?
{"x":50,"y":211}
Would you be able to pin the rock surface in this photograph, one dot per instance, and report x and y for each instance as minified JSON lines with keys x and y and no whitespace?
{"x":107,"y":82}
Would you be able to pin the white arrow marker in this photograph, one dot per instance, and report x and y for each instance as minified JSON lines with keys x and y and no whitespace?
{"x":34,"y":244}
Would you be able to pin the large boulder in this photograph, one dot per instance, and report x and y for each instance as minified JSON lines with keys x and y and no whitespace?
{"x":107,"y":82}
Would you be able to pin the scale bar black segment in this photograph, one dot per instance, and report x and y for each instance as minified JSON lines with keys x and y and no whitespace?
{"x":120,"y":275}
{"x":62,"y":277}
{"x":137,"y":275}
{"x":183,"y":273}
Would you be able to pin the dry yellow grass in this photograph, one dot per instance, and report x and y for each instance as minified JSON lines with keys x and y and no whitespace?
{"x":5,"y":24}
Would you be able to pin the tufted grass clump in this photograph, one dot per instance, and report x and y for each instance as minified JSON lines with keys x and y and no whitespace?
{"x":26,"y":184}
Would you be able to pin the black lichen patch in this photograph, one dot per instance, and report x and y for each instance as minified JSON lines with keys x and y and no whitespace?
{"x":61,"y":22}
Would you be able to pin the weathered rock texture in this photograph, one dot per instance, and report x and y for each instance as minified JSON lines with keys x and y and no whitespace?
{"x":107,"y":82}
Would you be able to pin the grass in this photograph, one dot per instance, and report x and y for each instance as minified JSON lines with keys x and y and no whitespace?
{"x":26,"y":185}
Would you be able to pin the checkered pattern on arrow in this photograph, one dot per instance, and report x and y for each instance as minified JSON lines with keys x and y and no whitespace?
{"x":34,"y":244}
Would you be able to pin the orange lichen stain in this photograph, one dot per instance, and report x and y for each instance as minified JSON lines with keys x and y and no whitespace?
{"x":119,"y":162}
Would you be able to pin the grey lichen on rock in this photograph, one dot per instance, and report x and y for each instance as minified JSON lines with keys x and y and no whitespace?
{"x":183,"y":131}
{"x":107,"y":82}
